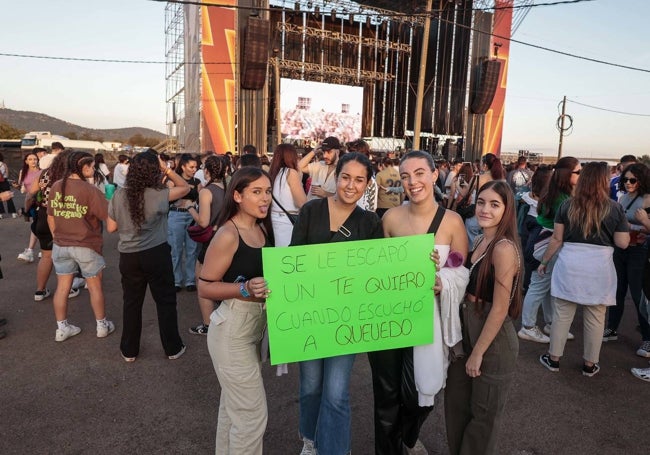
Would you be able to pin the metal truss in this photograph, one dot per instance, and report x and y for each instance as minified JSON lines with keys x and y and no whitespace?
{"x":333,"y":74}
{"x":342,"y":37}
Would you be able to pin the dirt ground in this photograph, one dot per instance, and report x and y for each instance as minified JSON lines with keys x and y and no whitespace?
{"x":80,"y":397}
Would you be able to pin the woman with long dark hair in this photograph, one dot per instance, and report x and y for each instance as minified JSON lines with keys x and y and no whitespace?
{"x":232,"y":272}
{"x":184,"y":249}
{"x":629,"y":262}
{"x":38,"y":194}
{"x":211,"y":200}
{"x":75,"y":213}
{"x":324,"y":383}
{"x":28,"y":175}
{"x":587,"y":228}
{"x":288,"y":191}
{"x":563,"y":181}
{"x":492,"y":302}
{"x":139,"y":214}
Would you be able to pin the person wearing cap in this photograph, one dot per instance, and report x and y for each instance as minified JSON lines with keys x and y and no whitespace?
{"x":46,"y":160}
{"x":323,"y":180}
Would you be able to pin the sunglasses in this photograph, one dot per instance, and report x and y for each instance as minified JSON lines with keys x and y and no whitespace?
{"x":576,"y":172}
{"x":631,"y":181}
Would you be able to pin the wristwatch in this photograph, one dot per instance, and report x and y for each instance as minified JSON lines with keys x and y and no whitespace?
{"x":242,"y":289}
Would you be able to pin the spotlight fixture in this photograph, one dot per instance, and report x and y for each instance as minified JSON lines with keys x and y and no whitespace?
{"x":297,"y":6}
{"x":333,"y":13}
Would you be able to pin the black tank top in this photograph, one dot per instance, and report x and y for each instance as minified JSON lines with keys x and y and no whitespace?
{"x":488,"y":290}
{"x":246,"y":263}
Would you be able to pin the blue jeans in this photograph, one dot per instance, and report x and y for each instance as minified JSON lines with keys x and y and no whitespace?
{"x":181,"y":243}
{"x":629,"y":265}
{"x":325,"y":403}
{"x":539,"y":293}
{"x":473,"y":229}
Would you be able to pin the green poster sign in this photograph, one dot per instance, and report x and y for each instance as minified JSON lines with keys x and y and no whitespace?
{"x":349,"y":297}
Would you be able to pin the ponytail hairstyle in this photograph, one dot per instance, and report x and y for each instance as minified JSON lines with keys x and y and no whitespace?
{"x":75,"y":164}
{"x":216,"y":167}
{"x":494,"y":166}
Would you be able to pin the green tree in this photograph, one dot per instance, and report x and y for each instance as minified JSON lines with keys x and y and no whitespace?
{"x":645,"y":159}
{"x":9,"y":132}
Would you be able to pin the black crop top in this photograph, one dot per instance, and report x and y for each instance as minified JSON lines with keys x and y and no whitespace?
{"x":488,"y":291}
{"x":246,"y":262}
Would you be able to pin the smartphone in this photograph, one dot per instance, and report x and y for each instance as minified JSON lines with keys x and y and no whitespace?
{"x":169,"y":164}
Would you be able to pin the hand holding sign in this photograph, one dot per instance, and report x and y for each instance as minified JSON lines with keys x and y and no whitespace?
{"x":349,"y":297}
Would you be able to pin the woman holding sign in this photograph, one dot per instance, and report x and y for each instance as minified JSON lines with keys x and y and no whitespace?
{"x":478,"y":382}
{"x":232,"y":272}
{"x":401,"y":407}
{"x":324,"y":383}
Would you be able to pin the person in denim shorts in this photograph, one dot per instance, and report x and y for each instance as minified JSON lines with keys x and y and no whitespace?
{"x":75,"y":213}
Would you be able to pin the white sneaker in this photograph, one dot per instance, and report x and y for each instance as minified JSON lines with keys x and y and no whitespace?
{"x":67,"y":332}
{"x":73,"y":293}
{"x":417,"y":449}
{"x":178,"y":354}
{"x":533,"y":334}
{"x":547,"y":330}
{"x":308,"y":447}
{"x":78,"y":282}
{"x":27,"y":255}
{"x":642,"y":373}
{"x":105,"y":328}
{"x":14,"y":215}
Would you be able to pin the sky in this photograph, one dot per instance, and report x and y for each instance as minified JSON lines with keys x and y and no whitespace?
{"x":117,"y":95}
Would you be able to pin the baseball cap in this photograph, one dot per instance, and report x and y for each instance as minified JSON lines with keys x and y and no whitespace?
{"x":330,"y":143}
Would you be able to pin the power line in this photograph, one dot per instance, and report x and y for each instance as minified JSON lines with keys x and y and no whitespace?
{"x":362,"y":11}
{"x":609,"y":110}
{"x":523,"y":43}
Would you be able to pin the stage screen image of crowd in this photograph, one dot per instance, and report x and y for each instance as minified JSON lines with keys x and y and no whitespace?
{"x":312,"y":111}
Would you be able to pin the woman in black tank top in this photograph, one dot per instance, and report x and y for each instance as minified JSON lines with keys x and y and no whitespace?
{"x":490,"y":344}
{"x":232,"y":272}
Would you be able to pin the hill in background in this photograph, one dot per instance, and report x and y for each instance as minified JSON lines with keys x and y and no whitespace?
{"x":35,"y":121}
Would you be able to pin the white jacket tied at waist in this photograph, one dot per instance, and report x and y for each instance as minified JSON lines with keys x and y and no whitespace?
{"x":430,"y":361}
{"x":585,"y":274}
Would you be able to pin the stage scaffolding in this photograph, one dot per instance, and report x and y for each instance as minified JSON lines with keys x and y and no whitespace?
{"x":174,"y":72}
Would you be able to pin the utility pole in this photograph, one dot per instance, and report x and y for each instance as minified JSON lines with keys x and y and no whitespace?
{"x":561,"y":128}
{"x":417,"y":127}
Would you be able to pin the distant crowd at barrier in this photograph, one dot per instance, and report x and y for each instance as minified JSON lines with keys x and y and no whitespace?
{"x":507,"y":242}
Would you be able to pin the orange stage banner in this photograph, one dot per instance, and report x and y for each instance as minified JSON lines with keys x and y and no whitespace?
{"x":494,"y":116}
{"x":218,"y":70}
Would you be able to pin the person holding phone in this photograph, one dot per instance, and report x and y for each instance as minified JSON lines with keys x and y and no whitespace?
{"x":323,"y":179}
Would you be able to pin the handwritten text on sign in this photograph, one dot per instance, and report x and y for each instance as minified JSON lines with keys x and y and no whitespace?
{"x":349,"y":297}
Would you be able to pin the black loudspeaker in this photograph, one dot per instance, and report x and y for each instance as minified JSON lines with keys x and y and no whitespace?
{"x":486,"y":86}
{"x":255,"y":53}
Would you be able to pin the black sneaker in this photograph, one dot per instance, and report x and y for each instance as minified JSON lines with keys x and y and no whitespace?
{"x":610,"y":335}
{"x":590,"y":371}
{"x":200,"y":329}
{"x":553,"y":365}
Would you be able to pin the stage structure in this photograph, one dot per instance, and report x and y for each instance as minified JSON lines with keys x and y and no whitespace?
{"x":226,"y":90}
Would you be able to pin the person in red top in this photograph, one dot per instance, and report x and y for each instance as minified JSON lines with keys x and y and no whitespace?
{"x":75,"y":213}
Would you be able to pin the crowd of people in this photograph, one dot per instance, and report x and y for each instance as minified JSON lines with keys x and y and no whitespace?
{"x":508,"y":240}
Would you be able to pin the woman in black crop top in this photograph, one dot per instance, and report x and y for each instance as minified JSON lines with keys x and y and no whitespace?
{"x":232,"y":272}
{"x":477,"y":384}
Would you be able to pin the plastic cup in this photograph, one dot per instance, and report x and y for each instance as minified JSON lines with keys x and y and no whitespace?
{"x":109,"y":190}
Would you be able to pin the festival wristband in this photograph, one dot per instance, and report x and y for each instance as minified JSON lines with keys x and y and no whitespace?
{"x":242,"y":289}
